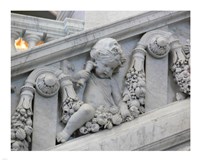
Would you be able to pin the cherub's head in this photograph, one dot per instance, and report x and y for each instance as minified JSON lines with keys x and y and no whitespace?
{"x":108,"y":57}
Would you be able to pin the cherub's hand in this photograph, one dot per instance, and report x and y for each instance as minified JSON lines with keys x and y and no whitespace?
{"x":124,"y":111}
{"x":82,"y":74}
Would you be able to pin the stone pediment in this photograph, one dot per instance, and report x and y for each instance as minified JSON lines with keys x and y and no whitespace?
{"x":144,"y":83}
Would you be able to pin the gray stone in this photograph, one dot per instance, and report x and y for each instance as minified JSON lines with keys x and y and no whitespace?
{"x":167,"y":126}
{"x":81,"y":43}
{"x":156,"y":82}
{"x":44,"y":122}
{"x":101,"y":94}
{"x":69,"y":60}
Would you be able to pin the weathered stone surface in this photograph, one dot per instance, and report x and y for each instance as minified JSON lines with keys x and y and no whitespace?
{"x":156,"y":82}
{"x":106,"y":17}
{"x":38,"y":26}
{"x":150,"y":128}
{"x":182,"y":147}
{"x":44,"y":122}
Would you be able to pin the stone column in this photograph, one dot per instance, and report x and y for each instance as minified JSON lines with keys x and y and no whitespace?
{"x":64,"y":14}
{"x":32,"y":39}
{"x":14,"y":36}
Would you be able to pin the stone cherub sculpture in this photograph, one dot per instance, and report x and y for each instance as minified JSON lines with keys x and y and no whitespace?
{"x":103,"y":106}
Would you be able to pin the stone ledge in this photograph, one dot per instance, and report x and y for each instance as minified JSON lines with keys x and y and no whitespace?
{"x":38,"y":26}
{"x":156,"y":130}
{"x":82,"y":42}
{"x":166,"y":143}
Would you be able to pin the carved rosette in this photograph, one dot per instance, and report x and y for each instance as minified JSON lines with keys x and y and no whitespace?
{"x":158,"y":46}
{"x":47,"y":84}
{"x":181,"y":66}
{"x":21,"y":121}
{"x":134,"y":92}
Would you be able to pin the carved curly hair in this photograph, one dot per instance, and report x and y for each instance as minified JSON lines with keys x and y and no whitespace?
{"x":108,"y":50}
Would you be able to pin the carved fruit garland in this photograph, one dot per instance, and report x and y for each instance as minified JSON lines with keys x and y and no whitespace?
{"x":181,"y":68}
{"x":103,"y":119}
{"x":21,"y":122}
{"x":134,"y":94}
{"x":70,"y":101}
{"x":69,"y":107}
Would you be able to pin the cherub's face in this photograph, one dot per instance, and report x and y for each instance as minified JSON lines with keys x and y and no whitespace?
{"x":104,"y":69}
{"x":107,"y":57}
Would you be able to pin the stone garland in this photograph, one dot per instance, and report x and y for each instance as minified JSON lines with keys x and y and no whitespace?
{"x":21,"y":121}
{"x":69,"y":107}
{"x":181,"y":67}
{"x":103,"y":119}
{"x":70,"y":102}
{"x":134,"y":95}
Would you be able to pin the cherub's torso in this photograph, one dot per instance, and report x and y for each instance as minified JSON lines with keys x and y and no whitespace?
{"x":98,"y":92}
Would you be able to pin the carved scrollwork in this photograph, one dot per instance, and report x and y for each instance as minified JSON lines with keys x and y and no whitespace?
{"x":158,"y":46}
{"x":21,"y":120}
{"x":47,"y":84}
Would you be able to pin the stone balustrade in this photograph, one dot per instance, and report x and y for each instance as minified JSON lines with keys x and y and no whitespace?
{"x":35,"y":28}
{"x":164,"y":125}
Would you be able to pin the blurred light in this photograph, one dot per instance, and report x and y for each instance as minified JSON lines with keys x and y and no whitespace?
{"x":42,"y":41}
{"x":21,"y":44}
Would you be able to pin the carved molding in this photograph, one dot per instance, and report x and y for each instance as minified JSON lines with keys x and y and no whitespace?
{"x":37,"y":26}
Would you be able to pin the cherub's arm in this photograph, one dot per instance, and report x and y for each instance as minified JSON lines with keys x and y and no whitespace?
{"x":82,"y":76}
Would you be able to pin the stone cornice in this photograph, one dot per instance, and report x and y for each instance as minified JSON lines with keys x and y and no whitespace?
{"x":82,"y":42}
{"x":38,"y":26}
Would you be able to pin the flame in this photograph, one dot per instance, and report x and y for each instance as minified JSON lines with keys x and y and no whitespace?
{"x":20,"y":44}
{"x":40,"y":43}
